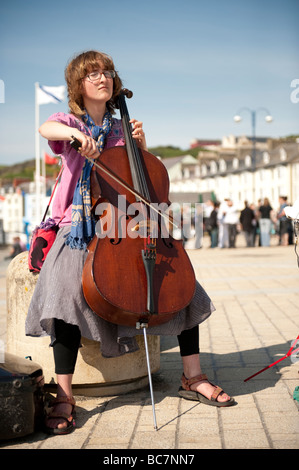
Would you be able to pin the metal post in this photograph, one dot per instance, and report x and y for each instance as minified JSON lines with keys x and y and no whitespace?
{"x":149,"y":374}
{"x":253,"y":120}
{"x":37,"y":160}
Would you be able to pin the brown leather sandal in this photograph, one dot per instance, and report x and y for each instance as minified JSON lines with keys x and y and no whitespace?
{"x":68,"y":418}
{"x":186,"y":392}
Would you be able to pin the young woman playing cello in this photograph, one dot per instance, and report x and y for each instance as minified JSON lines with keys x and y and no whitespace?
{"x":58,"y":307}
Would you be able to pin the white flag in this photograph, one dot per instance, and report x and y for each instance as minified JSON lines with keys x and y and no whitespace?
{"x":50,"y":94}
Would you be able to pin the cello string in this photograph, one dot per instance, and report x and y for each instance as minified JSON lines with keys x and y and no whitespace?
{"x":133,"y":151}
{"x":139,"y":180}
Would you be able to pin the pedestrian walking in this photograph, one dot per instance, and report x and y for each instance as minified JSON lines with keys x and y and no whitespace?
{"x":265,"y":213}
{"x":247,"y":221}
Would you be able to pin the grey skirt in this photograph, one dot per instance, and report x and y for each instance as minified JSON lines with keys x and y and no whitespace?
{"x":58,"y":294}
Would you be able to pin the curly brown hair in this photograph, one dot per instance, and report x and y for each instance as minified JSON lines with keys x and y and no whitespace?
{"x":78,"y":68}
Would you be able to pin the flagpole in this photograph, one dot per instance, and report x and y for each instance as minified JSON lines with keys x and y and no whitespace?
{"x":37,"y":157}
{"x":44,"y":175}
{"x":43,"y":95}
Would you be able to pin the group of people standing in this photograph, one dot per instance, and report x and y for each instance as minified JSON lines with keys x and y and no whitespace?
{"x":224,"y":221}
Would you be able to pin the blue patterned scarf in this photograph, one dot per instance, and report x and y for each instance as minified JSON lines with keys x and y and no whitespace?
{"x":83,"y":222}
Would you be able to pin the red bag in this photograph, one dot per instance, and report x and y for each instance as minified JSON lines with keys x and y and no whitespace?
{"x":43,"y":238}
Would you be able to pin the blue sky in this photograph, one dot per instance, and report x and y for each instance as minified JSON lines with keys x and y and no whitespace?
{"x":191,"y":65}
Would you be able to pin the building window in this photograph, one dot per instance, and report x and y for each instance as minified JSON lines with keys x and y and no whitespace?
{"x":235,"y":163}
{"x":222,"y":165}
{"x":213,"y":167}
{"x":248,"y":160}
{"x":186,"y":173}
{"x":283,"y":154}
{"x":281,"y":171}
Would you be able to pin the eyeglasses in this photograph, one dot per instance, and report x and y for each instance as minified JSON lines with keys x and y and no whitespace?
{"x":96,"y":75}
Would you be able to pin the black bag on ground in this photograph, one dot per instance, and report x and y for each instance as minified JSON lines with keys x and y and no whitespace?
{"x":21,"y":397}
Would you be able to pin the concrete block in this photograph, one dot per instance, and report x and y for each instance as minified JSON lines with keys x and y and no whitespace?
{"x":94,"y":375}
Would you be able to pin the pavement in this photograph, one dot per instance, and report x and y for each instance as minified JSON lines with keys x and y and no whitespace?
{"x":256,"y":295}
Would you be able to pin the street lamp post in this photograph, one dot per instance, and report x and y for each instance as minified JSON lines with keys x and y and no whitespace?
{"x":268,"y":118}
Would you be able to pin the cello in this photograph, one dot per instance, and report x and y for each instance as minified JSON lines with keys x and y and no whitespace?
{"x":135,"y":272}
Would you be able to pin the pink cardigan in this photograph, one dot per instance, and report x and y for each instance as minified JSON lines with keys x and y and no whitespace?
{"x":73,"y":163}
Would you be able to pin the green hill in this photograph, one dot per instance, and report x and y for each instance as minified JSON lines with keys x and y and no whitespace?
{"x":24,"y":170}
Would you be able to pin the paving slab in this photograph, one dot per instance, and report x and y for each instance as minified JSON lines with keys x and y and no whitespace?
{"x":256,"y":295}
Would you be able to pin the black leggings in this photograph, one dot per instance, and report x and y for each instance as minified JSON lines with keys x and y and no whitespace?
{"x":189,"y":341}
{"x":65,"y":347}
{"x":68,"y":339}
